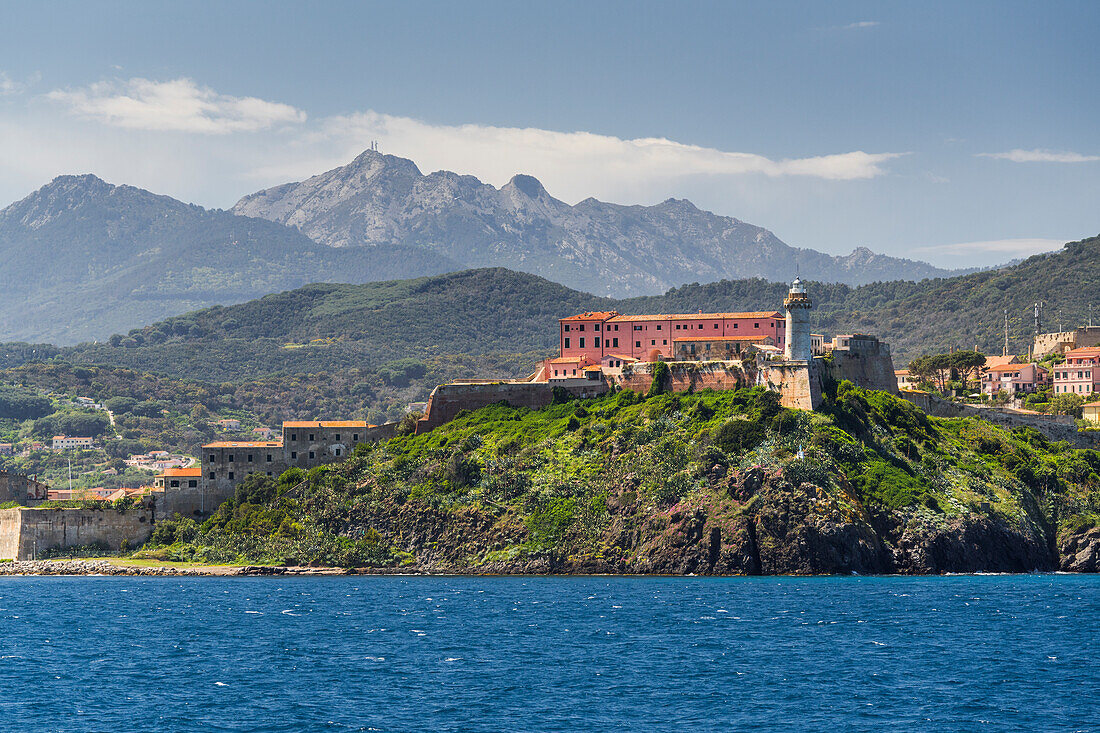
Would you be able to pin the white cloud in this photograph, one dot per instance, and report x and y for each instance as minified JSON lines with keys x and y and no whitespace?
{"x":496,"y":153}
{"x":859,"y":24}
{"x":999,"y":250}
{"x":9,"y":85}
{"x":1041,"y":156}
{"x":179,"y":105}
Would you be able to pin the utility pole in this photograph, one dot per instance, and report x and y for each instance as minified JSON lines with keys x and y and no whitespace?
{"x":1005,"y":353}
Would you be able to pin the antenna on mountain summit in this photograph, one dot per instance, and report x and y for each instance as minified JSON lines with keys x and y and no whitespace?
{"x":374,"y":146}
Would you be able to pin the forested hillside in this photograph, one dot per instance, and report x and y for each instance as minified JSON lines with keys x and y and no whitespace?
{"x":477,"y":312}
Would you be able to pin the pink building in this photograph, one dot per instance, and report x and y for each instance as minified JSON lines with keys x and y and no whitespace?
{"x":1014,"y":378}
{"x":649,"y":338}
{"x":1080,"y":374}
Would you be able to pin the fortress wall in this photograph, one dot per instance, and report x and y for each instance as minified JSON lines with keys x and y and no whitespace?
{"x":686,"y":375}
{"x":448,"y":400}
{"x":870,"y":370}
{"x":1054,"y":427}
{"x":797,"y":383}
{"x":26,"y":533}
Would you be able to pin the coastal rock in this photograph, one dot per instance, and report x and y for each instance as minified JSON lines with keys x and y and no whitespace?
{"x":968,"y":545}
{"x":1079,"y":551}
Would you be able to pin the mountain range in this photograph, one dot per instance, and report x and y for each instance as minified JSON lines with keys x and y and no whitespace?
{"x":85,"y":258}
{"x":602,"y":248}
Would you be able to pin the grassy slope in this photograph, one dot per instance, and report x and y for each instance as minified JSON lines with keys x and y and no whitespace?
{"x":628,"y":484}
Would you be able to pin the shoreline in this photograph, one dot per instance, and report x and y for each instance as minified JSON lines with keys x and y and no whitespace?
{"x":101,"y":567}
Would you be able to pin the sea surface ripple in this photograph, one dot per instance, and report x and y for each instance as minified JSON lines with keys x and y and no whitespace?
{"x":960,"y":653}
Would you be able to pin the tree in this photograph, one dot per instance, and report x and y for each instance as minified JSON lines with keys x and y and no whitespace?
{"x":1067,"y":404}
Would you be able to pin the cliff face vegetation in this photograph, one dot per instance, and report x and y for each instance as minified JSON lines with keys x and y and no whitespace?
{"x":713,"y":482}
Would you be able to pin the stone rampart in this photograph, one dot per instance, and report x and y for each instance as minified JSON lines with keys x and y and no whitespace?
{"x":797,"y":382}
{"x":867,"y":369}
{"x":447,"y":400}
{"x":687,"y":375}
{"x":1054,"y":427}
{"x":27,"y":533}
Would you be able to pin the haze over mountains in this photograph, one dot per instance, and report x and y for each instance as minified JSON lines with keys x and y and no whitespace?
{"x":601,"y":248}
{"x":85,"y":258}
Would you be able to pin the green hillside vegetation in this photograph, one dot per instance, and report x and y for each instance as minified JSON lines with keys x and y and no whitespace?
{"x":626,"y":483}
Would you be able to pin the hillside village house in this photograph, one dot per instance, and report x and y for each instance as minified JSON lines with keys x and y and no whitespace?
{"x":65,"y":442}
{"x":229,"y":424}
{"x":1014,"y":379}
{"x":175,"y":478}
{"x":1091,"y":412}
{"x":905,"y":379}
{"x":1080,"y":374}
{"x":263,"y":433}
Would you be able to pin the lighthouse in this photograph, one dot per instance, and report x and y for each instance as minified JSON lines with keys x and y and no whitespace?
{"x":798,"y":307}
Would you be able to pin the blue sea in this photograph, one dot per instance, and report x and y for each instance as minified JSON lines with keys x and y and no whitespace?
{"x":958,"y":653}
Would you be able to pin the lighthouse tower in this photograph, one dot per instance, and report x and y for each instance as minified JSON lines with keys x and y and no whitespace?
{"x":798,"y":307}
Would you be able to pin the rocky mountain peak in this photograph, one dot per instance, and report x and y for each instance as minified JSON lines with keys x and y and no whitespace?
{"x":527,"y":185}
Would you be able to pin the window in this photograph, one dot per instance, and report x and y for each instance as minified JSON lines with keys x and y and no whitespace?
{"x":677,"y":326}
{"x":293,"y":454}
{"x":567,"y":342}
{"x":615,"y":342}
{"x":716,"y":325}
{"x":566,"y":327}
{"x":230,"y":475}
{"x":574,"y":372}
{"x":596,"y":327}
{"x":596,"y":341}
{"x":311,"y":437}
{"x":355,"y":437}
{"x":664,"y":342}
{"x":582,"y":342}
{"x":174,"y":483}
{"x":580,"y":327}
{"x":658,"y":326}
{"x":230,"y":457}
{"x":337,"y":451}
{"x":269,"y":458}
{"x":555,"y":372}
{"x":653,"y":342}
{"x":637,"y":328}
{"x":250,"y":458}
{"x":756,"y":325}
{"x":312,"y":455}
{"x":294,"y":436}
{"x":637,"y":344}
{"x":735,"y":325}
{"x":192,"y":483}
{"x":210,"y":475}
{"x":338,"y":437}
{"x":211,"y":458}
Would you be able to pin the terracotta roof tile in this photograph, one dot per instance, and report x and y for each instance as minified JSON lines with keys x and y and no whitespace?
{"x":592,"y":316}
{"x":325,"y":424}
{"x":193,"y":471}
{"x":244,"y":444}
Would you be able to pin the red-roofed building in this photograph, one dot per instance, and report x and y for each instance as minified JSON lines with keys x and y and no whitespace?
{"x":649,"y":338}
{"x":1014,"y":378}
{"x":1080,"y":374}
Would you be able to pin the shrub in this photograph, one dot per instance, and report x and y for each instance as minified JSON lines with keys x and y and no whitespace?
{"x":735,"y":436}
{"x":661,"y":378}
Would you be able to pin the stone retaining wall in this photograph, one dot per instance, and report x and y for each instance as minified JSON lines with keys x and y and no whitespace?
{"x":27,"y":533}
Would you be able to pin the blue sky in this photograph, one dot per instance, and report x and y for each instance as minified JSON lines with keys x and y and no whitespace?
{"x":959,"y":133}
